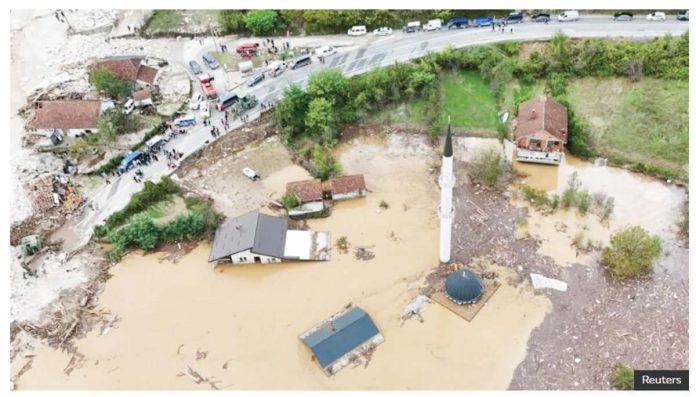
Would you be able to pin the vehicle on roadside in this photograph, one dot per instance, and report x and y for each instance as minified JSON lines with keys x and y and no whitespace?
{"x":155,"y":143}
{"x":204,"y":110}
{"x":569,"y":16}
{"x":656,"y":16}
{"x":247,"y":48}
{"x":357,"y":30}
{"x":129,"y":106}
{"x":245,"y":103}
{"x":458,"y":23}
{"x":255,"y":79}
{"x":300,"y":61}
{"x":226,"y":101}
{"x":483,"y":21}
{"x":206,"y":82}
{"x":185,"y":121}
{"x":325,"y":51}
{"x":623,"y":16}
{"x":275,"y":68}
{"x":195,"y":67}
{"x":411,"y":27}
{"x":433,"y":24}
{"x":383,"y":31}
{"x":541,"y":17}
{"x":196,"y":100}
{"x":129,"y":160}
{"x":514,"y":17}
{"x":251,"y":174}
{"x":683,"y":15}
{"x":210,"y":61}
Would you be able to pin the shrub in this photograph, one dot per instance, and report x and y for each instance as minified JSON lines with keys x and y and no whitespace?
{"x":622,"y":377}
{"x":583,"y":201}
{"x":535,"y":196}
{"x":105,"y":81}
{"x":342,"y":244}
{"x":291,"y":200}
{"x":151,"y":194}
{"x":631,"y":252}
{"x":487,"y":167}
{"x":323,"y":164}
{"x":554,"y":202}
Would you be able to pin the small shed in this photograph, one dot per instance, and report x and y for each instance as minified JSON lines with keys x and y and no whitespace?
{"x":348,"y":187}
{"x":310,"y":194}
{"x":342,"y":338}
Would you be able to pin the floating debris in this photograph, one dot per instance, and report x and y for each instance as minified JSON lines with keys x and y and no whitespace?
{"x":539,"y":281}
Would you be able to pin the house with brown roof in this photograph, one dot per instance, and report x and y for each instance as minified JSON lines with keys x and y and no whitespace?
{"x":128,"y":68}
{"x":142,"y":98}
{"x":542,"y":131}
{"x":310,"y":194}
{"x":66,"y":117}
{"x":347,"y":187}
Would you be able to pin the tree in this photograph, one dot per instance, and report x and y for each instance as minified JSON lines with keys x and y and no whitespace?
{"x":324,"y":165}
{"x":291,"y":111}
{"x":321,"y":122}
{"x":261,"y":21}
{"x":631,"y":252}
{"x":291,"y":200}
{"x":232,"y":21}
{"x":332,"y":85}
{"x":105,"y":81}
{"x":487,"y":167}
{"x":113,"y":123}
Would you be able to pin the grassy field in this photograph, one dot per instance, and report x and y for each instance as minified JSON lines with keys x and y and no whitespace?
{"x":468,"y":100}
{"x":183,"y":21}
{"x":644,"y":122}
{"x":406,"y":113}
{"x":164,"y":20}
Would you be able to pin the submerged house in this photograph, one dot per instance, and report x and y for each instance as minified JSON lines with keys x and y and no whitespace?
{"x":542,"y":131}
{"x":311,"y":197}
{"x":259,"y":238}
{"x":347,"y":187}
{"x":342,"y":338}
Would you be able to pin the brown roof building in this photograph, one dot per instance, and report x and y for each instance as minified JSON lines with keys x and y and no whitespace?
{"x":128,"y":68}
{"x":347,"y":186}
{"x":307,"y":190}
{"x":67,"y":114}
{"x":541,"y":119}
{"x":141,"y":95}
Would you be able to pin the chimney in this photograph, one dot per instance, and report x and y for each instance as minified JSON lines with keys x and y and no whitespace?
{"x":533,"y":114}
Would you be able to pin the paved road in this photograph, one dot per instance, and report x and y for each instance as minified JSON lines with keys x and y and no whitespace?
{"x":376,"y":52}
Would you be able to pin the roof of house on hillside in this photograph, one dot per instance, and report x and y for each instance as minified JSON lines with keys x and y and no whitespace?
{"x":128,"y":68}
{"x":65,"y":114}
{"x":542,"y":114}
{"x":262,"y":234}
{"x":307,"y":190}
{"x":141,"y":94}
{"x":347,"y":184}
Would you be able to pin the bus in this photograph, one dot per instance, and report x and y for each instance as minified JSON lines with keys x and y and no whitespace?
{"x":226,"y":101}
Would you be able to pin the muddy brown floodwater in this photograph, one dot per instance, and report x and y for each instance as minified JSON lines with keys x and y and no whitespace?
{"x":243,"y":322}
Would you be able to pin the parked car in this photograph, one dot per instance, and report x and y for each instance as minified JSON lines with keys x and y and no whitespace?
{"x":302,"y":60}
{"x":276,"y":67}
{"x":325,"y":51}
{"x":514,"y":17}
{"x":227,"y":101}
{"x":195,"y":67}
{"x":483,"y":21}
{"x":414,"y":26}
{"x":185,"y":120}
{"x":210,"y":61}
{"x":656,"y":16}
{"x":196,"y":100}
{"x":251,"y":174}
{"x":357,"y":30}
{"x":247,"y":48}
{"x":255,"y":79}
{"x":383,"y":31}
{"x":623,"y":16}
{"x":129,"y":106}
{"x":458,"y":23}
{"x":433,"y":24}
{"x":541,"y":17}
{"x":569,"y":16}
{"x":683,"y":15}
{"x":204,"y":110}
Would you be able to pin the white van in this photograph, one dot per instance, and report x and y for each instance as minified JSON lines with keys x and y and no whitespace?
{"x":357,"y":30}
{"x":433,"y":24}
{"x":567,"y":16}
{"x":325,"y":51}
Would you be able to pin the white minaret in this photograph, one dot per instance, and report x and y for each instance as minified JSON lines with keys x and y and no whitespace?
{"x":446,"y":210}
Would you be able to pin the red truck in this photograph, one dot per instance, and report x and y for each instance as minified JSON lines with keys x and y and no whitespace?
{"x":206,"y":82}
{"x":247,"y":49}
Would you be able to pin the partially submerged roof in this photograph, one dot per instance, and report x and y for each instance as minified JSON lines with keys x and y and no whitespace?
{"x":262,"y":234}
{"x":542,"y":114}
{"x":128,"y":68}
{"x":347,"y":184}
{"x":65,"y":114}
{"x":141,"y":95}
{"x":337,"y":337}
{"x":307,"y":190}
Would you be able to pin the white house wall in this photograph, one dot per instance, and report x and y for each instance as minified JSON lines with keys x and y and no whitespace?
{"x":249,"y":257}
{"x":309,"y":207}
{"x":347,"y":196}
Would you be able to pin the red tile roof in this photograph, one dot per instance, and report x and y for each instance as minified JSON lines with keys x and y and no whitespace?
{"x":141,"y":94}
{"x":65,"y":114}
{"x":307,"y":190}
{"x":347,"y":184}
{"x":542,"y":114}
{"x":128,"y":69}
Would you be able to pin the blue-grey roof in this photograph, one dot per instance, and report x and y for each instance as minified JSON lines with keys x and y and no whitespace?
{"x":262,"y":234}
{"x":350,"y":330}
{"x":464,"y":286}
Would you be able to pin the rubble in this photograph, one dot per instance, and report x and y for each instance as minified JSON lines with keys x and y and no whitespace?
{"x":539,"y":282}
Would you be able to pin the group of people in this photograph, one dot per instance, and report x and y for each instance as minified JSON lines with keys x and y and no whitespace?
{"x":215,"y":132}
{"x":60,"y":16}
{"x":172,"y":156}
{"x":501,"y":26}
{"x":138,"y":175}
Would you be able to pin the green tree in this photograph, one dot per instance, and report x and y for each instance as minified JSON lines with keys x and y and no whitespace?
{"x":321,"y":122}
{"x":232,"y":21}
{"x":631,"y":253}
{"x":261,"y":21}
{"x":487,"y":167}
{"x":113,"y":123}
{"x":105,"y":81}
{"x":291,"y":200}
{"x":291,"y":112}
{"x":324,"y":165}
{"x":332,"y":85}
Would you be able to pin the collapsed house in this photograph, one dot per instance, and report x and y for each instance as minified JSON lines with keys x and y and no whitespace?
{"x":343,"y":338}
{"x":310,"y":195}
{"x":58,"y":119}
{"x":129,"y":68}
{"x":542,"y":131}
{"x":259,"y":238}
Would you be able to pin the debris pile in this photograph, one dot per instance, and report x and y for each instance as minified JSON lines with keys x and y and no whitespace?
{"x":363,"y":254}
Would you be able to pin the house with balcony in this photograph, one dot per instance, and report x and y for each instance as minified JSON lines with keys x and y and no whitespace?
{"x":541,"y":132}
